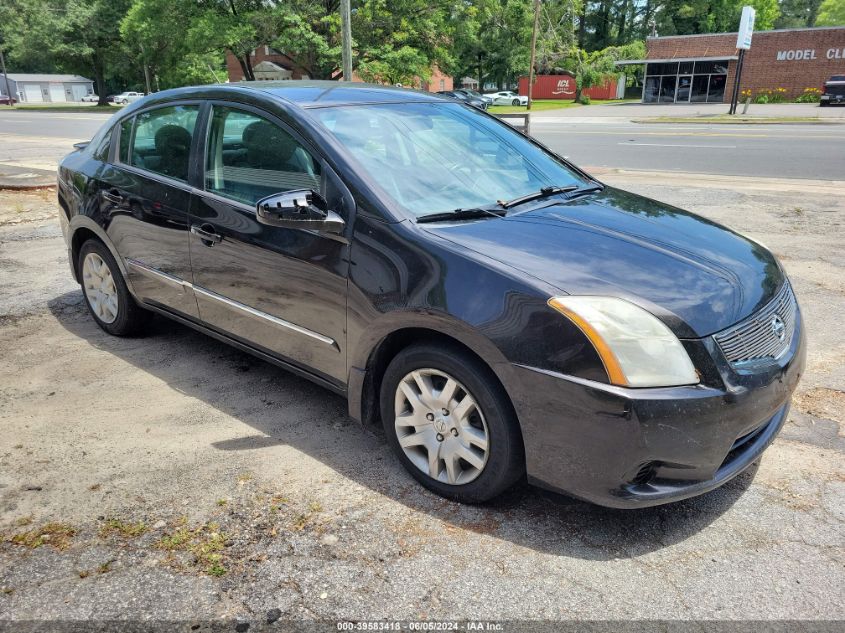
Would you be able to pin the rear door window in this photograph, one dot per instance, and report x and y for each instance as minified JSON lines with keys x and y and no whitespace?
{"x":249,"y":158}
{"x":161,"y":142}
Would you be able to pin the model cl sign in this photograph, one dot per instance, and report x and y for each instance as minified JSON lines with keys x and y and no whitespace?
{"x":809,"y":53}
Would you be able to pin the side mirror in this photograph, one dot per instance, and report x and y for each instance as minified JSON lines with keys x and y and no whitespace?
{"x":299,"y":209}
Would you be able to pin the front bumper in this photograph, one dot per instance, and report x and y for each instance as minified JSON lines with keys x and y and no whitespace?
{"x":631,"y":448}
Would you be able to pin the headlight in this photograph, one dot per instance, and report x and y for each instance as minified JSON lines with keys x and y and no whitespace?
{"x":637,"y":349}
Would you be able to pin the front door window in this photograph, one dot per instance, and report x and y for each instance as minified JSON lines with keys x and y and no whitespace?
{"x":250,"y":158}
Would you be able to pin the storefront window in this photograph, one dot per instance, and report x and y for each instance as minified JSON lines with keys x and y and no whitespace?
{"x":699,"y":88}
{"x":683,"y":82}
{"x":651,"y":90}
{"x":716,"y":91}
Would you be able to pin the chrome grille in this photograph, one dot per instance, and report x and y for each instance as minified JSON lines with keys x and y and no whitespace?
{"x":756,"y":338}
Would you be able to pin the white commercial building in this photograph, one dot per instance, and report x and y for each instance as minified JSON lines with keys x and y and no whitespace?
{"x":37,"y":88}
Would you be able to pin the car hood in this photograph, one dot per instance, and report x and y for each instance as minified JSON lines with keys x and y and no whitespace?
{"x":697,"y":276}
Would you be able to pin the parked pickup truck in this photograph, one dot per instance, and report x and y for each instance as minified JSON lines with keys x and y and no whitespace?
{"x":834,"y":90}
{"x":128,"y":97}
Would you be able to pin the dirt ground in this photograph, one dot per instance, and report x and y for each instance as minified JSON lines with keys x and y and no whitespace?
{"x":172,"y":477}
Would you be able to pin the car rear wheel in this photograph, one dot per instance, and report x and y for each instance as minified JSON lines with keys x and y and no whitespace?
{"x":106,"y":295}
{"x":450,"y":424}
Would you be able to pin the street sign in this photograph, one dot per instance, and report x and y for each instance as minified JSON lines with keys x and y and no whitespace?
{"x":746,"y":28}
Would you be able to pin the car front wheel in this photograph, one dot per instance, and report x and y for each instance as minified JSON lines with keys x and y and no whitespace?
{"x":450,"y":424}
{"x":515,"y":102}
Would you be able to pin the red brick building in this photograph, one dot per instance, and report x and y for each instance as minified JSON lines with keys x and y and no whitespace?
{"x":268,"y":64}
{"x":701,"y":68}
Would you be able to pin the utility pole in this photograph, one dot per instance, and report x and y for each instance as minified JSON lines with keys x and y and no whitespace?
{"x":6,"y":77}
{"x":533,"y":50}
{"x":346,"y":36}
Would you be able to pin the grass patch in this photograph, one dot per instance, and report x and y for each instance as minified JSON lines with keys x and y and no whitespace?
{"x":205,"y":542}
{"x":537,"y":106}
{"x":121,"y":528}
{"x":301,"y":520}
{"x":56,"y":534}
{"x":66,"y":108}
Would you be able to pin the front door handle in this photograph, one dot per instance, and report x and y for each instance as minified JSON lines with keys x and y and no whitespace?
{"x":113,"y":196}
{"x":206,"y":234}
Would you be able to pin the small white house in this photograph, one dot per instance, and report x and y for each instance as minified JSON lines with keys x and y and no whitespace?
{"x":37,"y":88}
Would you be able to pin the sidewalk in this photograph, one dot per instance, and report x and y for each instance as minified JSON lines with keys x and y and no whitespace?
{"x":14,"y":177}
{"x":631,"y":110}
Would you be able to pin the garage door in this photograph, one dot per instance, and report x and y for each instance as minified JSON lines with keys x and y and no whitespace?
{"x":57,"y":93}
{"x":32,"y":93}
{"x":79,"y":91}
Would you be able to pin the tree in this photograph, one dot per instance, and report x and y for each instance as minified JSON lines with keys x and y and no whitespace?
{"x":593,"y":69}
{"x":153,"y":33}
{"x":237,"y":26}
{"x":831,"y":13}
{"x":309,"y":34}
{"x":798,"y":13}
{"x":80,"y":36}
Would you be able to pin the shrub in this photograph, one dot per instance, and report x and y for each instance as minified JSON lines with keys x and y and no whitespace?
{"x":584,"y":100}
{"x":810,"y":95}
{"x":761,"y":97}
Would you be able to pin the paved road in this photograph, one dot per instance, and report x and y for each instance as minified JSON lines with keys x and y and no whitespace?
{"x":782,"y":151}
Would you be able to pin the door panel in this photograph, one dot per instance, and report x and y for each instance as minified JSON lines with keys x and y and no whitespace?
{"x":280,"y":289}
{"x":148,"y":224}
{"x":283,"y":290}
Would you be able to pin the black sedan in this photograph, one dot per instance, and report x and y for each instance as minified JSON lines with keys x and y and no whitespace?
{"x":500,"y":312}
{"x":475,"y":102}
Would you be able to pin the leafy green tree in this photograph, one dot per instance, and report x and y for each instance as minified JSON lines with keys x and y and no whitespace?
{"x":79,"y":36}
{"x":153,"y":33}
{"x":832,"y":13}
{"x":798,"y":13}
{"x":309,"y":34}
{"x":397,"y":41}
{"x":238,"y":26}
{"x":598,"y":67}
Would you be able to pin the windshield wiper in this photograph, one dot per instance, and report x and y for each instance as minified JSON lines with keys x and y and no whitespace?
{"x":461,"y":214}
{"x":583,"y":190}
{"x":545,"y":192}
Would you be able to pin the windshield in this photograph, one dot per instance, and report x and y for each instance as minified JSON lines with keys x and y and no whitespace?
{"x":437,"y":157}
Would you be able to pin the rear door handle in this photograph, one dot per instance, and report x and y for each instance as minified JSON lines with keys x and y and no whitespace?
{"x":113,"y":196}
{"x":206,"y":234}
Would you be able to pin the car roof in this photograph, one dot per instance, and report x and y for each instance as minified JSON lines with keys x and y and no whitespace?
{"x":296,"y":93}
{"x":308,"y":93}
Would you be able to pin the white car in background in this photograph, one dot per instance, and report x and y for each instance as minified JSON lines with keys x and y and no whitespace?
{"x":128,"y":97}
{"x":508,"y":97}
{"x":89,"y":98}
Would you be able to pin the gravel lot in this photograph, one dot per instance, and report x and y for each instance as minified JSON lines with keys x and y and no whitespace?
{"x":172,"y":477}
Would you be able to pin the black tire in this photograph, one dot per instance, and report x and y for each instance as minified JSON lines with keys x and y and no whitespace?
{"x":515,"y":102}
{"x":823,"y":104}
{"x":131,"y":319}
{"x":506,"y":456}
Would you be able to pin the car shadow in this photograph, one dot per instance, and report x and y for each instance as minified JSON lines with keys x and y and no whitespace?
{"x":525,"y":516}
